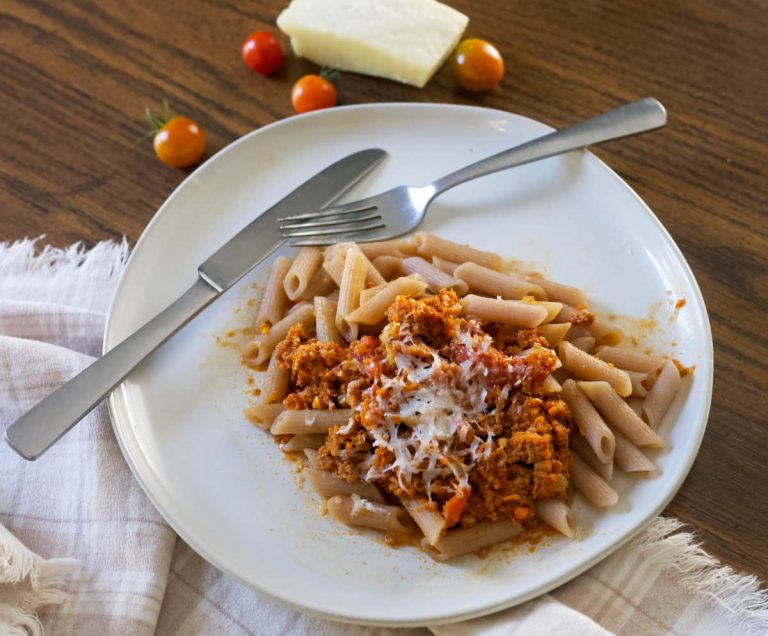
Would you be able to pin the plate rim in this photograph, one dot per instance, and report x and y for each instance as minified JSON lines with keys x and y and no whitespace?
{"x":117,"y":403}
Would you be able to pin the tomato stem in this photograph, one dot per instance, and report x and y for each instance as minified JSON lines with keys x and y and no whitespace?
{"x":159,"y":120}
{"x":329,"y":73}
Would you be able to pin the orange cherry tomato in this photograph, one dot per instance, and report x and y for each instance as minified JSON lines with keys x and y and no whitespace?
{"x":180,"y":142}
{"x":262,"y":52}
{"x":312,"y":92}
{"x":477,"y":65}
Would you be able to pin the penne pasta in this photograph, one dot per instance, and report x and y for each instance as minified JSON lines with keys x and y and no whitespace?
{"x":560,"y":293}
{"x":327,"y":485}
{"x":554,"y":332}
{"x":303,"y":442}
{"x":325,"y":320}
{"x":447,"y":266}
{"x":594,"y":488}
{"x":553,"y":309}
{"x":260,"y":348}
{"x":620,"y":415}
{"x":589,"y":367}
{"x":576,"y":331}
{"x":630,"y":360}
{"x":581,"y":447}
{"x":629,"y":457}
{"x":435,"y":278}
{"x":506,"y":312}
{"x":586,"y":344}
{"x":592,"y":427}
{"x":333,"y":261}
{"x":374,"y":309}
{"x":605,"y":333}
{"x":422,"y":372}
{"x":335,"y":257}
{"x":661,"y":395}
{"x":638,"y":383}
{"x":488,"y":281}
{"x":276,"y":379}
{"x":557,"y":514}
{"x":551,"y":385}
{"x":456,"y":543}
{"x":352,"y":282}
{"x":320,"y":285}
{"x":356,"y":511}
{"x":396,"y":247}
{"x":429,"y":520}
{"x":305,"y":421}
{"x":273,"y":301}
{"x":389,"y":266}
{"x":262,"y":414}
{"x":302,"y":270}
{"x":431,"y":245}
{"x":311,"y":455}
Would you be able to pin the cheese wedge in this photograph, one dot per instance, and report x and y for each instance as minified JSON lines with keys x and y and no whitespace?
{"x":403,"y":40}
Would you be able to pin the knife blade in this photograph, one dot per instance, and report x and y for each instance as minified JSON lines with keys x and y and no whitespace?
{"x":37,"y":430}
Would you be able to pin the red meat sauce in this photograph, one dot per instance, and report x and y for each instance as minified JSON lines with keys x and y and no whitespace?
{"x":518,"y":436}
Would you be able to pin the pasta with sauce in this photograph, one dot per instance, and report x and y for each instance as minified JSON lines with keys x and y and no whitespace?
{"x":426,"y":408}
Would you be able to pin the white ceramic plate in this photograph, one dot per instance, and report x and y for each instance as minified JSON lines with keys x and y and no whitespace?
{"x":225,"y":487}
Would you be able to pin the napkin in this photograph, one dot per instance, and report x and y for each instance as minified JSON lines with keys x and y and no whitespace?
{"x":83,"y":551}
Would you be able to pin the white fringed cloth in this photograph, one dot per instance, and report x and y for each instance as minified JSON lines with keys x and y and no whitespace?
{"x":82,"y":550}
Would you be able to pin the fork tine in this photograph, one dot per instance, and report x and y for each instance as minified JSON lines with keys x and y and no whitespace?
{"x":308,"y":225}
{"x":338,"y":229}
{"x":338,"y":210}
{"x":359,"y":237}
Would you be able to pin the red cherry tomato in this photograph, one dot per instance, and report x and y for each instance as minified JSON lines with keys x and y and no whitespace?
{"x":263,"y":53}
{"x":180,"y":142}
{"x":312,"y":92}
{"x":477,"y":65}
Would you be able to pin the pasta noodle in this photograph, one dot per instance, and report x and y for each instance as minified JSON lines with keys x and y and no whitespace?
{"x":260,"y":348}
{"x":488,"y":281}
{"x":458,"y":419}
{"x":305,"y":421}
{"x":589,"y":367}
{"x":356,"y":511}
{"x":620,"y":414}
{"x":447,"y":266}
{"x":558,"y":515}
{"x":506,"y":312}
{"x":389,"y":266}
{"x":325,"y":320}
{"x":662,"y":393}
{"x":352,"y":283}
{"x":431,"y":245}
{"x":273,"y":302}
{"x":591,"y":485}
{"x":592,"y":427}
{"x":301,"y":271}
{"x":373,"y":310}
{"x":436,"y":279}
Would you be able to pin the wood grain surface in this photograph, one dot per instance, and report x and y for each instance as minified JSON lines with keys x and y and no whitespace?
{"x":77,"y":75}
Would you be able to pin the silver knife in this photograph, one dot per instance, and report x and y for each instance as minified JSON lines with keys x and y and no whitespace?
{"x":36,"y":431}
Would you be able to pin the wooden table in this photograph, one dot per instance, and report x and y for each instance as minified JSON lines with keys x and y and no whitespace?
{"x":77,"y":75}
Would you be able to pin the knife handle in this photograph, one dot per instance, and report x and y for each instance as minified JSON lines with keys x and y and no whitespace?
{"x":37,"y":430}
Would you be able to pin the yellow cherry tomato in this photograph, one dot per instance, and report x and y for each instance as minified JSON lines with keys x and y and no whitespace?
{"x":180,"y":142}
{"x":312,"y":92}
{"x":477,"y":65}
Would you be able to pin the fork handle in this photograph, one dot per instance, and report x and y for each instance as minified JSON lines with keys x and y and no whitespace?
{"x":631,"y":119}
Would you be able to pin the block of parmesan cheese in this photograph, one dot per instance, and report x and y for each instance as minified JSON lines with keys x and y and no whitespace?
{"x":403,"y":40}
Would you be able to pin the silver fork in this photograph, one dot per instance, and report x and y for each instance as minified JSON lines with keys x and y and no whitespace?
{"x":400,"y":210}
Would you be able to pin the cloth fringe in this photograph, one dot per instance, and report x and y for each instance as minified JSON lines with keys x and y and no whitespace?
{"x":45,"y":581}
{"x":678,"y":553}
{"x":23,"y":257}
